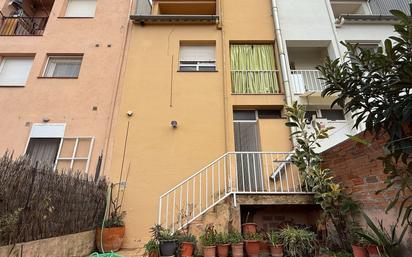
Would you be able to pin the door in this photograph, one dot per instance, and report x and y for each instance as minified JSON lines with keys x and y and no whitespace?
{"x":249,"y":172}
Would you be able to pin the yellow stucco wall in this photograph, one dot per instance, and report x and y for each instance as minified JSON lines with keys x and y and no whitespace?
{"x":201,"y":103}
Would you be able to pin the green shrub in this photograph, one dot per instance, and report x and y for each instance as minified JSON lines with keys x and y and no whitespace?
{"x":235,"y":237}
{"x":250,"y":236}
{"x":298,"y":242}
{"x":222,"y":238}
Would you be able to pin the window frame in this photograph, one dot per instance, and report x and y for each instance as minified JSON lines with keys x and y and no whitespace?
{"x":197,"y":64}
{"x":3,"y":63}
{"x":43,"y":74}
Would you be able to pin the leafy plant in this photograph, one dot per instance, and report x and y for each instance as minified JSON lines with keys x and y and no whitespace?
{"x":336,"y":253}
{"x":376,"y":88}
{"x":189,"y":238}
{"x":298,"y":242}
{"x":235,"y":237}
{"x":222,"y":238}
{"x":252,"y":236}
{"x":209,"y":237}
{"x":150,"y":247}
{"x":378,"y":235}
{"x":274,"y":238}
{"x":155,"y":231}
{"x":167,"y":235}
{"x":116,"y":219}
{"x":339,"y":208}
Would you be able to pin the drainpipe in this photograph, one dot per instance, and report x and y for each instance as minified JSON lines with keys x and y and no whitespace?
{"x":281,"y":48}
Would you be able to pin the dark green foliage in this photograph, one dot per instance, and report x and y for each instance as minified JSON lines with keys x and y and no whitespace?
{"x":376,"y":87}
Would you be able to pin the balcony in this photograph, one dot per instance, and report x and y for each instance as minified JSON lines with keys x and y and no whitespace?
{"x":22,"y":26}
{"x":383,"y":7}
{"x":177,"y":11}
{"x":255,"y":82}
{"x":306,"y":82}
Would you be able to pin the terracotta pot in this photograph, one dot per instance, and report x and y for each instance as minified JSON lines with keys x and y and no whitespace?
{"x":252,"y":248}
{"x":359,"y":251}
{"x":223,"y":250}
{"x":373,"y":250}
{"x":276,"y":250}
{"x":249,"y":228}
{"x":209,"y":251}
{"x":187,"y":249}
{"x":112,"y":239}
{"x":167,"y":247}
{"x":154,"y":254}
{"x":237,"y":250}
{"x":264,"y":248}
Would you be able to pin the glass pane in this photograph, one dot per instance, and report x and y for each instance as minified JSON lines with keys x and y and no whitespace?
{"x":207,"y":68}
{"x":63,"y":67}
{"x":67,"y":148}
{"x":63,"y":165}
{"x":79,"y":165}
{"x":333,"y":114}
{"x":187,"y":68}
{"x":244,"y":115}
{"x":83,"y":147}
{"x":269,"y":114}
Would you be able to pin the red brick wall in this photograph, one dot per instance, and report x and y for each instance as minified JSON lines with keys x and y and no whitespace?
{"x":356,"y":167}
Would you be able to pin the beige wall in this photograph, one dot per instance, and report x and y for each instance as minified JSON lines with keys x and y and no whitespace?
{"x":67,"y":101}
{"x":201,"y":103}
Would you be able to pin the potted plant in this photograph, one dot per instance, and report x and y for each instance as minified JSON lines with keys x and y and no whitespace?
{"x":298,"y":242}
{"x":247,"y":227}
{"x":109,"y":238}
{"x":276,"y":247}
{"x":151,"y":249}
{"x":236,"y":241}
{"x":222,"y":242}
{"x":167,"y":242}
{"x":208,"y":241}
{"x":252,"y":243}
{"x":187,"y":245}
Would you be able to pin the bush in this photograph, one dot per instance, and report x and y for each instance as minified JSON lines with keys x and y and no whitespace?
{"x":37,"y":202}
{"x":298,"y":242}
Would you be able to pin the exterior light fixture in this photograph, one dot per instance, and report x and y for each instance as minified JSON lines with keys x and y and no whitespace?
{"x":174,"y":124}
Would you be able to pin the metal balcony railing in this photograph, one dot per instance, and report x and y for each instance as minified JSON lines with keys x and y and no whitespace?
{"x":22,"y":26}
{"x":304,"y":81}
{"x":255,"y":82}
{"x":233,"y":173}
{"x":382,"y":7}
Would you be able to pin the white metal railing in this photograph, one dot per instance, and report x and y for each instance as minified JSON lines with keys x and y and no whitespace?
{"x":255,"y":81}
{"x":232,"y":173}
{"x":306,"y":81}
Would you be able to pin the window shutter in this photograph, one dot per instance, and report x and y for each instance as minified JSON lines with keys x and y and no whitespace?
{"x":81,"y":8}
{"x":14,"y":71}
{"x":197,"y":53}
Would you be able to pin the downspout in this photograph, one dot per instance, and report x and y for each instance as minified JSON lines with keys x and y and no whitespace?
{"x":283,"y":61}
{"x":225,"y":111}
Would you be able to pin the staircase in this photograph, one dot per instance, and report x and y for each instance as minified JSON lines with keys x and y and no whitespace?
{"x":233,"y":173}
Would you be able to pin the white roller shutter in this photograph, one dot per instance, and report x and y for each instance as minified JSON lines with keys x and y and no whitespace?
{"x":14,"y":71}
{"x":81,"y":8}
{"x":197,"y":53}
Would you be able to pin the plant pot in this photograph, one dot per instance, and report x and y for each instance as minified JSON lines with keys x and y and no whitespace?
{"x":264,"y":248}
{"x":187,"y":249}
{"x":209,"y":251}
{"x":154,"y":254}
{"x":252,"y":248}
{"x":223,"y":250}
{"x":112,"y":239}
{"x":167,"y":247}
{"x":276,"y":250}
{"x":359,"y":251}
{"x":237,"y":250}
{"x":373,"y":250}
{"x":249,"y":228}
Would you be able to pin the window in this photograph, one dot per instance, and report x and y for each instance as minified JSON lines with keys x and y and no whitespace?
{"x":333,"y":114}
{"x":269,"y":114}
{"x":197,"y":58}
{"x":63,"y":66}
{"x":14,"y":71}
{"x":80,"y":8}
{"x":43,"y":150}
{"x":253,"y":69}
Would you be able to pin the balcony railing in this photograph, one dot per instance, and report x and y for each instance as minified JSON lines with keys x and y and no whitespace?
{"x":143,"y":7}
{"x":305,"y":81}
{"x":382,"y":7}
{"x":234,"y":173}
{"x":22,"y":26}
{"x":255,"y":82}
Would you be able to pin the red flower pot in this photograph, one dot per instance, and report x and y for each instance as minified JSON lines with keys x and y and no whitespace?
{"x":264,"y":248}
{"x":252,"y":248}
{"x":249,"y":228}
{"x":373,"y":250}
{"x":209,"y":251}
{"x":237,"y":250}
{"x":187,"y":249}
{"x":359,"y":251}
{"x":223,"y":250}
{"x":112,"y":238}
{"x":276,"y":250}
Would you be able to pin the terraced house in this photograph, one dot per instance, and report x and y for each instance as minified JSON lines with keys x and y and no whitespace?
{"x":59,"y":72}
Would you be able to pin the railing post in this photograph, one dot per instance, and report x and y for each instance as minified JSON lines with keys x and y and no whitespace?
{"x":159,"y":218}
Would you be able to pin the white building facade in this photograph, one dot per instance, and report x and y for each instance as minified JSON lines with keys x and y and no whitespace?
{"x":311,"y":31}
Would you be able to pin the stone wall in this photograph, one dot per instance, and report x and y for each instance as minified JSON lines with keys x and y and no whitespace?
{"x":73,"y":245}
{"x":356,"y":167}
